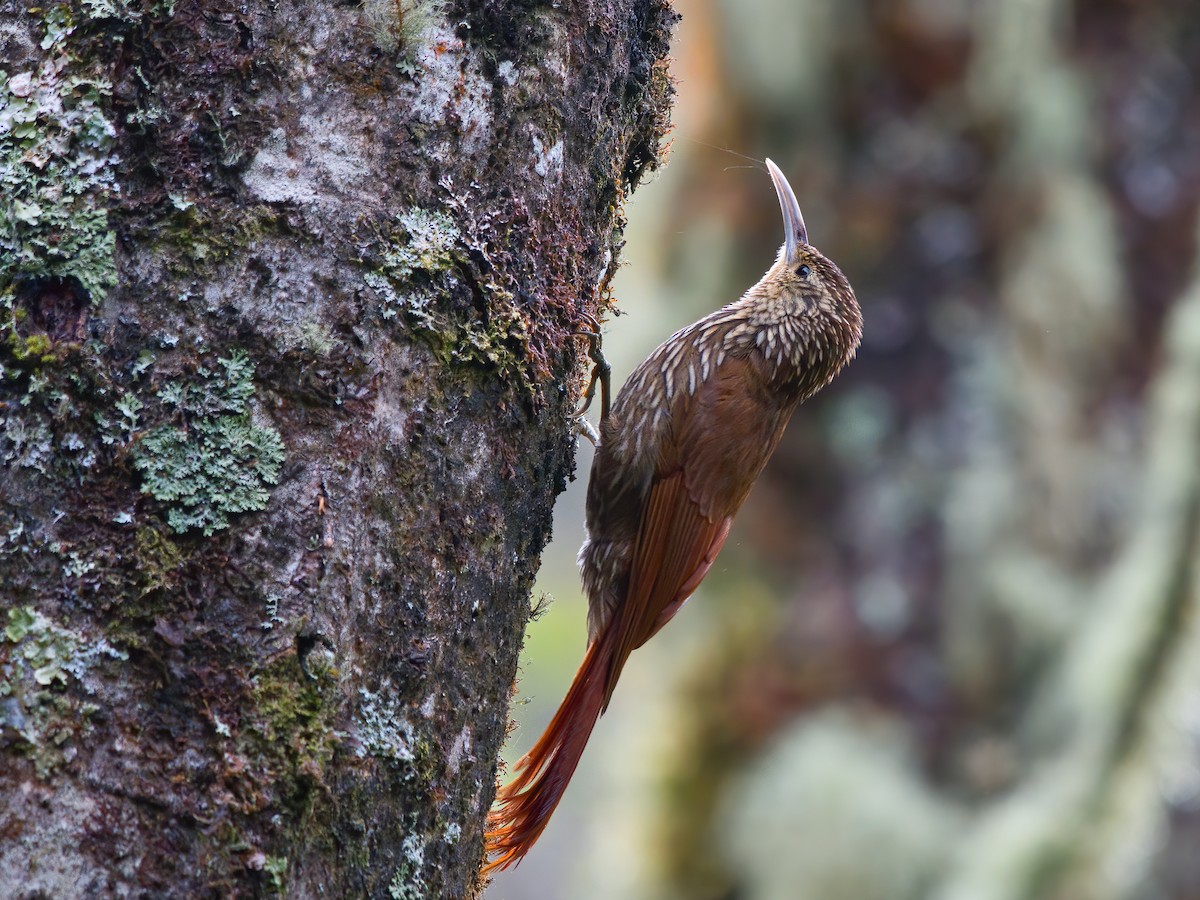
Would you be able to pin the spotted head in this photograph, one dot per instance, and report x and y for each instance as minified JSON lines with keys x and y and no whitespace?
{"x":804,"y":302}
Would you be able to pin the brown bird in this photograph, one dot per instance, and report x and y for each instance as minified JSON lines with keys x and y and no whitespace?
{"x":683,"y":444}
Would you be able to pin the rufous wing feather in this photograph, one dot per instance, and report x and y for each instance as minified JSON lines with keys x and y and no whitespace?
{"x":693,"y":498}
{"x":676,"y":545}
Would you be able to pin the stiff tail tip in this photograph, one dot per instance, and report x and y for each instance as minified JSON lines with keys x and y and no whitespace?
{"x":510,"y":833}
{"x":525,"y":804}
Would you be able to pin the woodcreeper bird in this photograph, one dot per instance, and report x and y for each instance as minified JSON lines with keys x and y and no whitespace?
{"x":680,"y":449}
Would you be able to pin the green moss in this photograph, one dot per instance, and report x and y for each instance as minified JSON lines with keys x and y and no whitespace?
{"x":159,"y":559}
{"x":499,"y":344}
{"x":292,"y":732}
{"x":56,"y":169}
{"x":193,"y":237}
{"x":215,"y":462}
{"x":143,"y":588}
{"x":36,"y":349}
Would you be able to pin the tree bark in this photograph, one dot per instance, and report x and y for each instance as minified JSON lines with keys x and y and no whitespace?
{"x":288,"y":295}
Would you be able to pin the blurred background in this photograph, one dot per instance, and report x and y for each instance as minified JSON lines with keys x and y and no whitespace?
{"x":951,"y":649}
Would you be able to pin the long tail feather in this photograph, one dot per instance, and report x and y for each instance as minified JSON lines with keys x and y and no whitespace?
{"x":524,"y":805}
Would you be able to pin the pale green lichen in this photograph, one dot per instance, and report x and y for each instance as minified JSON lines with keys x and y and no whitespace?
{"x":397,"y":25}
{"x":383,"y":730}
{"x":276,"y":869}
{"x":310,"y":336}
{"x":130,"y":407}
{"x":38,"y":659}
{"x":27,"y":438}
{"x":57,"y":170}
{"x":272,"y":617}
{"x":28,"y":443}
{"x":215,"y":462}
{"x":52,"y":652}
{"x":38,"y":433}
{"x":408,"y":883}
{"x":432,"y":238}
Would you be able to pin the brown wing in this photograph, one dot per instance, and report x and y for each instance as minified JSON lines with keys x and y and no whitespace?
{"x":725,"y":433}
{"x":675,"y":547}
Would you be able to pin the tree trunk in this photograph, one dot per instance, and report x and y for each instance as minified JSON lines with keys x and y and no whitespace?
{"x":287,"y":368}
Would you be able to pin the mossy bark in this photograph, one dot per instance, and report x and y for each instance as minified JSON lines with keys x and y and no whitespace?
{"x":288,"y":302}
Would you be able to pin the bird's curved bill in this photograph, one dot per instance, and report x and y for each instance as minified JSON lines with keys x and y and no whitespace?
{"x":794,"y":231}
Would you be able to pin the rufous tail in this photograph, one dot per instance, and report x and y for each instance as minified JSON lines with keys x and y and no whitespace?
{"x":524,"y":805}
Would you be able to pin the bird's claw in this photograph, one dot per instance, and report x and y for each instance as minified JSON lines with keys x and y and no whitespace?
{"x":601,"y":372}
{"x":586,"y":429}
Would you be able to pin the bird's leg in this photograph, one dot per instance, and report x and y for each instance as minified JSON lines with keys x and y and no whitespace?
{"x":601,"y":373}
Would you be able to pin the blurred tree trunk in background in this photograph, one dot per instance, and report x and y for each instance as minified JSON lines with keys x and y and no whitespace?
{"x":287,"y":295}
{"x":983,"y":682}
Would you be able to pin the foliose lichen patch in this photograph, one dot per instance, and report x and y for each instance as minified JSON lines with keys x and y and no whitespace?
{"x":416,"y":280}
{"x":39,"y":660}
{"x":212,"y":461}
{"x":429,"y":247}
{"x":57,"y":169}
{"x":385,"y":732}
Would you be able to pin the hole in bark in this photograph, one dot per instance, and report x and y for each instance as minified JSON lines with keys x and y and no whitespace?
{"x":57,"y":307}
{"x":306,"y":644}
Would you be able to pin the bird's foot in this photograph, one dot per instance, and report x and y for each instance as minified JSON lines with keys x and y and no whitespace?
{"x":601,"y":373}
{"x":586,"y":429}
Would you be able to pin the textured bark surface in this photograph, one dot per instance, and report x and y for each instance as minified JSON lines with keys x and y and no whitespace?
{"x":287,"y":294}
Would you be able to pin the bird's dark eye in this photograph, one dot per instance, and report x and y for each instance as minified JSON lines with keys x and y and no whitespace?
{"x":804,"y":271}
